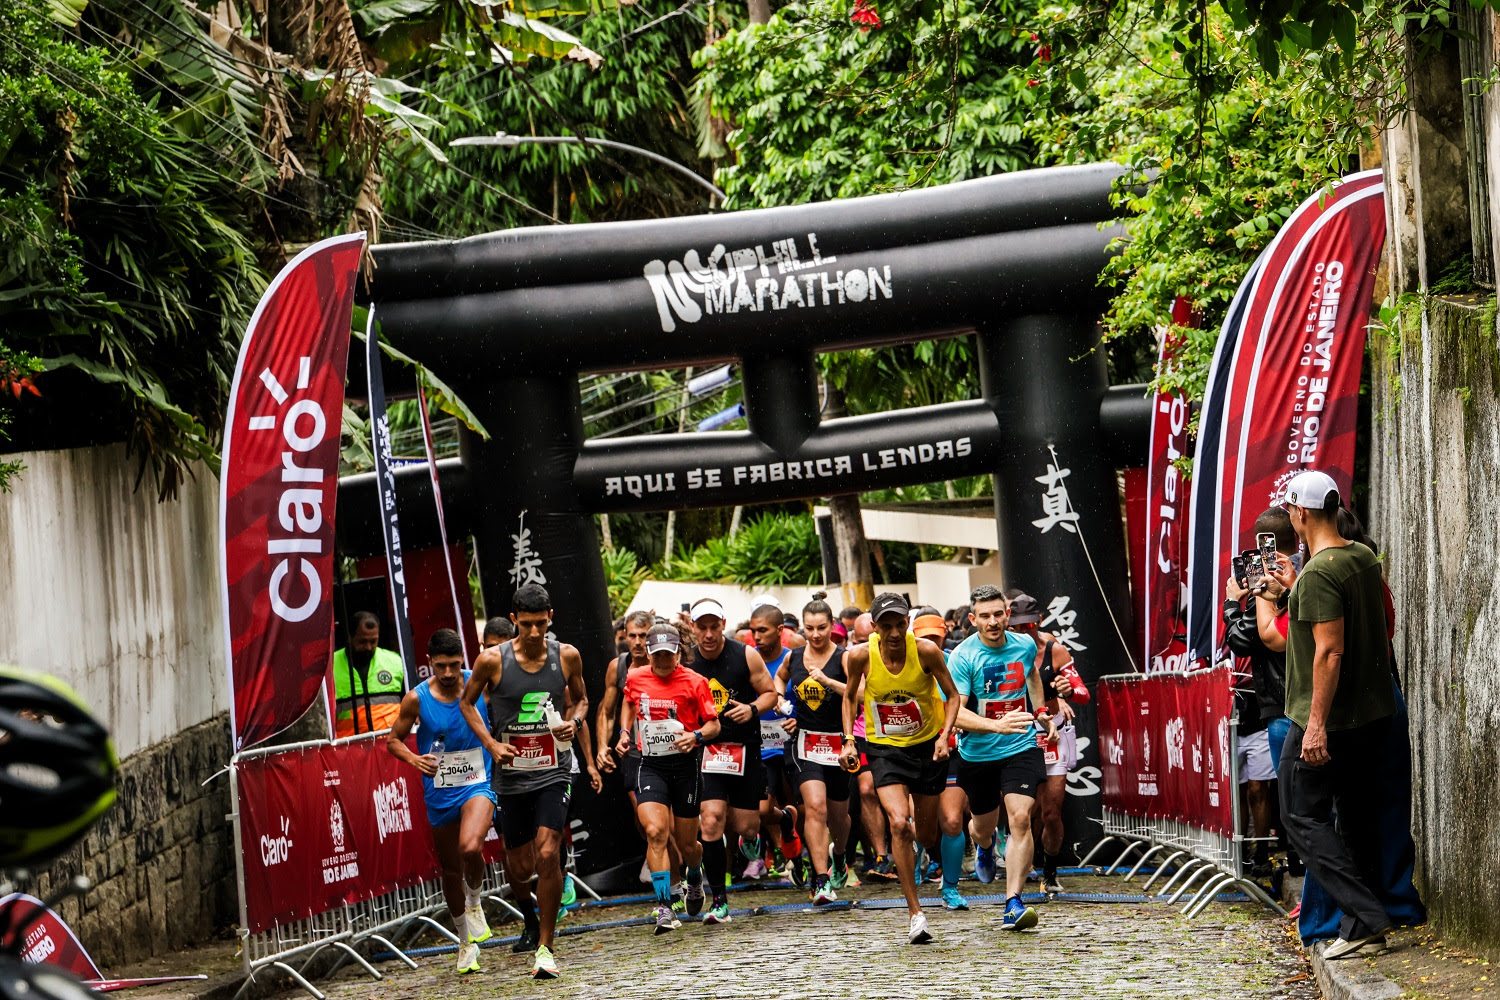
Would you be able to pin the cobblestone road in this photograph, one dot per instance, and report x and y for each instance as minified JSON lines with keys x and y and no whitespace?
{"x":1078,"y":950}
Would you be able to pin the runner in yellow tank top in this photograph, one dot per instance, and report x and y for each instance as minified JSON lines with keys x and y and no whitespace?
{"x":910,"y":708}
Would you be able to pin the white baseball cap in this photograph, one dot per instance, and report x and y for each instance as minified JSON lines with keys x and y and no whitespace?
{"x":765,"y":599}
{"x":706,"y":606}
{"x":1309,"y":489}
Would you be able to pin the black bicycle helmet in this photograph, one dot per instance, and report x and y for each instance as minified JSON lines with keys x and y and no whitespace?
{"x":57,"y":768}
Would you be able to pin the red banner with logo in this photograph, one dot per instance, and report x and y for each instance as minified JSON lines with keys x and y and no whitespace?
{"x":329,"y":825}
{"x":278,"y":485}
{"x":1290,"y":391}
{"x":1165,"y":747}
{"x":1166,"y":504}
{"x":44,"y":937}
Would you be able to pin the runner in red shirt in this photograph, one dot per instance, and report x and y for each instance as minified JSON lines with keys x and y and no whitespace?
{"x":669,"y":713}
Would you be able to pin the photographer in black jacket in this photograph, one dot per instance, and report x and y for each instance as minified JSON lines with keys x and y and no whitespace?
{"x":1263,"y":704}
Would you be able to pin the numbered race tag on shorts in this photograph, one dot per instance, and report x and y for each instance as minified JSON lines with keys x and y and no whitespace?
{"x":461,"y":768}
{"x":657,"y":738}
{"x":724,"y":758}
{"x":771,"y":734}
{"x":898,"y":718}
{"x":534,"y":751}
{"x":819,"y":748}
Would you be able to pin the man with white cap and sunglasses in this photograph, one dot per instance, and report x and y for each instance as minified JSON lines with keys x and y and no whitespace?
{"x":669,"y":713}
{"x":1338,"y":696}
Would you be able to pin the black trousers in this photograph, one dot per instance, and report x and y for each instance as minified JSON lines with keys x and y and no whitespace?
{"x":1344,"y":858}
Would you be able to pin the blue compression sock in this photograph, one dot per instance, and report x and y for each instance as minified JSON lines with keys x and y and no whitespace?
{"x":661,"y":883}
{"x":953,"y":859}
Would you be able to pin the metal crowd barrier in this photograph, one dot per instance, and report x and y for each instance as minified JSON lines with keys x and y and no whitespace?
{"x":1203,"y":859}
{"x":381,"y":920}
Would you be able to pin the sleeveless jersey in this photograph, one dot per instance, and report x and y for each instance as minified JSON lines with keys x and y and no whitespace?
{"x":819,"y":710}
{"x":465,"y":762}
{"x":518,"y":717}
{"x":772,"y":736}
{"x":728,"y":678}
{"x":905,"y":708}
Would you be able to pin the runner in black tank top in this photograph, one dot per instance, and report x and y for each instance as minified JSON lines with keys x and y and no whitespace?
{"x":813,"y":678}
{"x":534,"y":686}
{"x":733,"y":779}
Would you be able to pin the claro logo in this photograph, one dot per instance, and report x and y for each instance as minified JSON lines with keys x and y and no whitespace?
{"x":275,"y":850}
{"x":299,"y":509}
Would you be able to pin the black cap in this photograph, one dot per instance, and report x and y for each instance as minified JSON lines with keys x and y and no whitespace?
{"x":1024,"y":610}
{"x":662,"y":638}
{"x":887,"y":603}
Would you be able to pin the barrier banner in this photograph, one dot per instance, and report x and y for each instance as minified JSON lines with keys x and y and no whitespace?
{"x":277,"y":489}
{"x":48,"y":938}
{"x":385,"y":492}
{"x":1166,"y":503}
{"x":1291,"y":379}
{"x":1165,"y":739}
{"x":327,"y":826}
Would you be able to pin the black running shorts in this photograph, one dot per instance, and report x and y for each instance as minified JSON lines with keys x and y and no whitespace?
{"x":630,"y":770}
{"x":987,"y":782}
{"x":835,"y":780}
{"x":676,"y":785}
{"x":911,"y":766}
{"x":741,"y":791}
{"x":521,"y":814}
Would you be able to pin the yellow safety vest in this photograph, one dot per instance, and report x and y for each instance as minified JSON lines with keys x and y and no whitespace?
{"x":385,"y":682}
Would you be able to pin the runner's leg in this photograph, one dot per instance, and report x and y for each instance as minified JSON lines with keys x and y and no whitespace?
{"x":951,"y":827}
{"x":1018,"y":848}
{"x":445,"y":841}
{"x":815,"y":824}
{"x":547,"y":857}
{"x":893,"y":799}
{"x":872,"y":816}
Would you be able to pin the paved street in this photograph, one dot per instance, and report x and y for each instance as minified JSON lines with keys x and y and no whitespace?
{"x":1079,"y":950}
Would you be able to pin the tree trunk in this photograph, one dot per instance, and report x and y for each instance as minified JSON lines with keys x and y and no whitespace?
{"x":605,"y":537}
{"x":849,"y":543}
{"x":760,"y":11}
{"x":682,"y":411}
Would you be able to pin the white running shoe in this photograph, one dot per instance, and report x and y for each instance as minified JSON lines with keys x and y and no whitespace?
{"x":477,"y":926}
{"x":916,"y":931}
{"x":545,"y":966}
{"x":468,"y":958}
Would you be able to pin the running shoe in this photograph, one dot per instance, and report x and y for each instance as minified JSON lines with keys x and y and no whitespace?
{"x":984,"y":864}
{"x":919,"y":867}
{"x":750,"y":849}
{"x":884,"y":870}
{"x":679,"y":900}
{"x":954,"y":900}
{"x":529,"y":939}
{"x":570,"y":891}
{"x":693,"y":896}
{"x":934,"y":871}
{"x":838,"y":874}
{"x":798,"y":870}
{"x":545,"y":966}
{"x":718,"y":913}
{"x":1295,"y":912}
{"x":791,"y":843}
{"x":916,"y":930}
{"x":666,"y":920}
{"x":468,"y":958}
{"x":1050,"y":884}
{"x":476,"y":927}
{"x":823,"y":894}
{"x":1018,"y":916}
{"x":755,"y":869}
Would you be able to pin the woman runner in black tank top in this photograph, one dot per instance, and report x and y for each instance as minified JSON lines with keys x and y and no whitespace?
{"x":813,"y":677}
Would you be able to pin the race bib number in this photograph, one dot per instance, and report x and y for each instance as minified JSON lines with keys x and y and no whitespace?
{"x":819,"y":748}
{"x":771,"y":734}
{"x":900,"y":718}
{"x":460,"y":768}
{"x":724,"y":758}
{"x":534,"y":751}
{"x":995,"y":708}
{"x":657,"y":737}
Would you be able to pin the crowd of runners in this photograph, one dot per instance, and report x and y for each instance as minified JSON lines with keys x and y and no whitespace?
{"x":741,"y":749}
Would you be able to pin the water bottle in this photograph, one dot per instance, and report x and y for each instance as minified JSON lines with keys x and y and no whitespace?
{"x":555,"y":719}
{"x":439,"y":744}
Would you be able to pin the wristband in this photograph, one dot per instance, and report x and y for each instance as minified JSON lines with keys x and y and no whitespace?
{"x":848,"y":737}
{"x":698,"y":736}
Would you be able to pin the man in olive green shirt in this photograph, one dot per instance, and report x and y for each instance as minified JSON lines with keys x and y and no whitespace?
{"x":1338,"y":694}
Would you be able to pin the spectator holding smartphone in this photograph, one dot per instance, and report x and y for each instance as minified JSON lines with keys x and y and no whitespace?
{"x":1339,"y":697}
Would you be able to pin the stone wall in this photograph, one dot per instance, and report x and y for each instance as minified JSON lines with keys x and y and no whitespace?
{"x":161,"y":858}
{"x":1435,"y":509}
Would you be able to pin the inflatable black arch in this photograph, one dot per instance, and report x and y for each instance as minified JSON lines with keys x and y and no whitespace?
{"x":511,"y":319}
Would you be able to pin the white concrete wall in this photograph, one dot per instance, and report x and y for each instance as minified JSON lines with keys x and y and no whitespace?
{"x":113,"y":592}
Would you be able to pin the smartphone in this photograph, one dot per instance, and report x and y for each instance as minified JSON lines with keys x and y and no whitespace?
{"x":1267,"y":544}
{"x":687,"y":606}
{"x":1253,"y":567}
{"x":1240,"y":576}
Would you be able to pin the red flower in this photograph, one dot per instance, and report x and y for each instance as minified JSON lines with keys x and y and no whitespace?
{"x":1045,"y":52}
{"x":1033,"y":36}
{"x":865,"y":15}
{"x":1031,"y":83}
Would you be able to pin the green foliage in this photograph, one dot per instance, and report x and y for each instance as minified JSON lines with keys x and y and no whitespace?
{"x":623,"y":576}
{"x":1455,"y":279}
{"x":16,"y":369}
{"x":772,"y":550}
{"x":821,"y":110}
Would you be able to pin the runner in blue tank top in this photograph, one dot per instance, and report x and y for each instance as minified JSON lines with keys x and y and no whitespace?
{"x":778,"y":814}
{"x":455,"y":785}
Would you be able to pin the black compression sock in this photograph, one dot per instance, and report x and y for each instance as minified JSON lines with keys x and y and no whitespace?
{"x":715,"y":863}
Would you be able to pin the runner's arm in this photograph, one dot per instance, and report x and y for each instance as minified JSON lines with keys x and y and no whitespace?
{"x":1069,"y":668}
{"x":627,"y":725}
{"x":854,"y":671}
{"x":783,"y":676}
{"x":931,"y":656}
{"x":1265,"y":622}
{"x":609,"y":705}
{"x":395,"y":740}
{"x":767,"y":692}
{"x":1038,"y":694}
{"x":575,"y":695}
{"x":486,"y":672}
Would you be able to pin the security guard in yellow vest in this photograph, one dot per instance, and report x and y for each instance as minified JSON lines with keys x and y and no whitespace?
{"x":370,"y":702}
